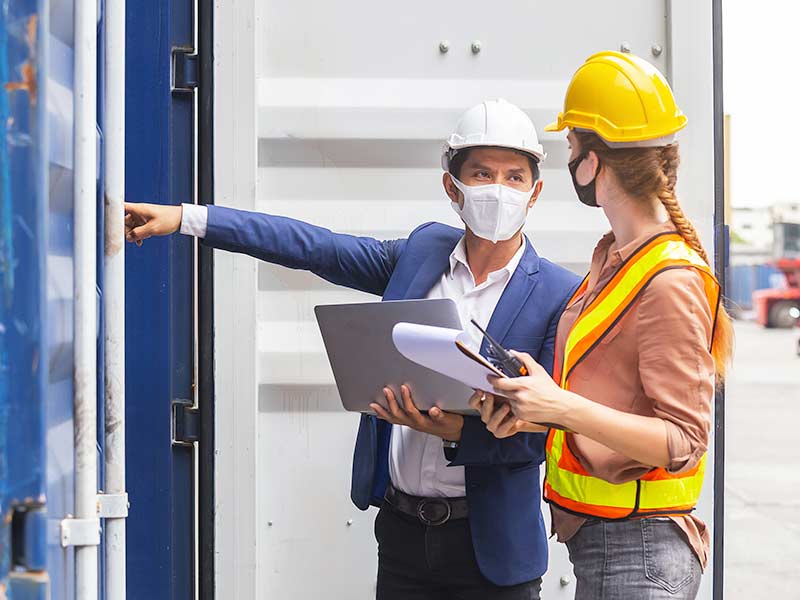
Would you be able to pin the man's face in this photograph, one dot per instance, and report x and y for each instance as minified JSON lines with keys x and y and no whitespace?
{"x":485,"y":166}
{"x":497,"y":165}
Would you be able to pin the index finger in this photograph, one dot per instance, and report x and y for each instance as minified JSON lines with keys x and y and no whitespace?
{"x":138,"y":208}
{"x":487,"y":408}
{"x":381,"y":413}
{"x":508,"y":384}
{"x":408,"y":401}
{"x":475,"y":400}
{"x":391,"y":400}
{"x":526,"y":359}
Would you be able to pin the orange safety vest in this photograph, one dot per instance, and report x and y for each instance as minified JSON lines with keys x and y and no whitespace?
{"x":567,"y":484}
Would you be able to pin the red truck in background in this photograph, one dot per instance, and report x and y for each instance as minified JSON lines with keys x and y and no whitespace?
{"x":773,"y":306}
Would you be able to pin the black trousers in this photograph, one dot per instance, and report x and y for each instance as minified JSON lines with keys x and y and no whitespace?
{"x":417,"y":562}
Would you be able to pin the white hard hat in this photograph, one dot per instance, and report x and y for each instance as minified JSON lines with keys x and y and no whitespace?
{"x":493,"y":123}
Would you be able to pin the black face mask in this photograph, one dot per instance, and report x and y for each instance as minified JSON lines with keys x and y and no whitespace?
{"x":586,"y":193}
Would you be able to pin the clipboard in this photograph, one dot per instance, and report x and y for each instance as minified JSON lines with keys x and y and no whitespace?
{"x":446,"y":351}
{"x":478,"y":358}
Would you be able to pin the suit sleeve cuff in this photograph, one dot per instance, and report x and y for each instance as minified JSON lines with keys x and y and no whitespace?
{"x":194,"y":220}
{"x":473,"y":442}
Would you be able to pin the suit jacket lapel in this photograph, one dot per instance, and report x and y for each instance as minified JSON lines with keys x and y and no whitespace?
{"x":522,"y":282}
{"x":429,"y":272}
{"x":516,"y":293}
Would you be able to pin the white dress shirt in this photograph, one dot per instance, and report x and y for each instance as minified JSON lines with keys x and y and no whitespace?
{"x":417,"y":464}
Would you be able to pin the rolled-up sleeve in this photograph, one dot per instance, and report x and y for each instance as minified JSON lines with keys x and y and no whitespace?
{"x":674,"y":325}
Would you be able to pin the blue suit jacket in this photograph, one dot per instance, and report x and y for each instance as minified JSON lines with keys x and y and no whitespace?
{"x":502,"y":476}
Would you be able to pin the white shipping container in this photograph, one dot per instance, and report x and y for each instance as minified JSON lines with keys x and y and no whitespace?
{"x":335,"y":113}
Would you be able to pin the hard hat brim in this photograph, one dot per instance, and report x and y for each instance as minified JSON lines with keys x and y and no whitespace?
{"x":448,"y":148}
{"x":609,"y":133}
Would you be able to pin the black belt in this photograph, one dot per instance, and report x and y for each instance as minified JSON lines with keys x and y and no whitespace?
{"x":430,"y":511}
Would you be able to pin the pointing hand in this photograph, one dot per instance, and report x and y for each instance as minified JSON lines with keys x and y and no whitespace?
{"x":145,"y":220}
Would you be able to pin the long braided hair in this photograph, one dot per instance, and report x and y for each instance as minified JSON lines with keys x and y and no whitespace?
{"x":648,"y":172}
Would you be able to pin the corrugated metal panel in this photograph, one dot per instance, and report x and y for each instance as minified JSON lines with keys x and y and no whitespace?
{"x":35,"y":300}
{"x":354,"y":100}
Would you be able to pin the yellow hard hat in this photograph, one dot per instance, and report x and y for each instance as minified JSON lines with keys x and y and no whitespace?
{"x":623,"y":99}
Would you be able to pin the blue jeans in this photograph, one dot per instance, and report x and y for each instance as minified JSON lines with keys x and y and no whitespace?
{"x":636,"y":559}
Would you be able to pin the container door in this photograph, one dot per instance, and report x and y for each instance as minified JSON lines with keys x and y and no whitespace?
{"x":353,"y":103}
{"x":159,"y":308}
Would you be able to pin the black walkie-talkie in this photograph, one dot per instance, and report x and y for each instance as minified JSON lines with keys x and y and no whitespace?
{"x":502,"y":358}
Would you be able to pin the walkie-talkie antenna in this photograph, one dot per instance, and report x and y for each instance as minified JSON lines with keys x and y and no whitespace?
{"x":492,"y":341}
{"x":503,"y":359}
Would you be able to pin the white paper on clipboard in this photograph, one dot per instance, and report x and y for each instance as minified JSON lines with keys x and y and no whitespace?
{"x":444,"y":351}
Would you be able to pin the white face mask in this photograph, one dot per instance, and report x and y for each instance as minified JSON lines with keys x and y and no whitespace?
{"x":493,"y":212}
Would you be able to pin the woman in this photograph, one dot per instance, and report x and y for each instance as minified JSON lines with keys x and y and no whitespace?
{"x":637,"y":352}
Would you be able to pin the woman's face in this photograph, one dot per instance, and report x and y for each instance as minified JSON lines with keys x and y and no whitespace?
{"x":574,"y":146}
{"x":588,"y":167}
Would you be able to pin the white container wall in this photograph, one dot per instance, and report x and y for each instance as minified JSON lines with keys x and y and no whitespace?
{"x":352,"y":102}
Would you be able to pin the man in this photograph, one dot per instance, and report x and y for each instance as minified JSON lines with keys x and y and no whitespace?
{"x":459,"y":509}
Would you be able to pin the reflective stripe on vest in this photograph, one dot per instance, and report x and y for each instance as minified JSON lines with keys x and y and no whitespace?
{"x":567,"y":484}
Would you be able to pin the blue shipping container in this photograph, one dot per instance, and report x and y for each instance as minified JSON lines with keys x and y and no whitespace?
{"x":743,"y":280}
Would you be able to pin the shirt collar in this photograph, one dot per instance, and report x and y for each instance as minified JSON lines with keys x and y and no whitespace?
{"x":459,"y":257}
{"x":607,"y":244}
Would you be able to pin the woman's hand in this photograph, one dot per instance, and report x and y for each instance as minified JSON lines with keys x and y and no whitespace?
{"x":535,"y":398}
{"x":498,"y":416}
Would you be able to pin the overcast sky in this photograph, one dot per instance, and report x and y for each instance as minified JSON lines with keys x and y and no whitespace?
{"x":762,"y":94}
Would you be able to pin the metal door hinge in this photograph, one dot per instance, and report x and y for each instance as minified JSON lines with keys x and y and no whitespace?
{"x":113,"y":506}
{"x":80,"y":532}
{"x":185,"y":423}
{"x":184,"y":70}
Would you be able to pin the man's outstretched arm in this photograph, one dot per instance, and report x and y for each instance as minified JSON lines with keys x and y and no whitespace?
{"x":361,"y":263}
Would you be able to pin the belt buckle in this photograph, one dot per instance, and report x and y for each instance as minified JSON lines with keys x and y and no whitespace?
{"x":433,"y":522}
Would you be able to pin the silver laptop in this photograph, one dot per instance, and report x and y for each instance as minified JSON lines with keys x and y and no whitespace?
{"x":358,"y":339}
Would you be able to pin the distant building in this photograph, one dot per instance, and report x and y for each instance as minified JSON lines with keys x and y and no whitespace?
{"x":751,"y":235}
{"x":752,"y":232}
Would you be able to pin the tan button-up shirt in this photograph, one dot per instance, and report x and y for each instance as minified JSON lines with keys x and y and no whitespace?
{"x":654,"y":362}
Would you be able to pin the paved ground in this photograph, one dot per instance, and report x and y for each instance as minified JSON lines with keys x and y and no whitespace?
{"x":762,"y":491}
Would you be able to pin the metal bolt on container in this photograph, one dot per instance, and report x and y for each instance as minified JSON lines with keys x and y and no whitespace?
{"x":565,"y":580}
{"x":656,"y":49}
{"x":476,"y":47}
{"x":625,"y":47}
{"x":444,"y":46}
